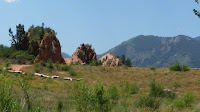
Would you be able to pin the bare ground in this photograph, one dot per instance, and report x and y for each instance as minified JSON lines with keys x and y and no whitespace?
{"x":16,"y":67}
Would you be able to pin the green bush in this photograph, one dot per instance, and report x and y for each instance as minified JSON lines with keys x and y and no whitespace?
{"x":37,"y":69}
{"x":50,"y":64}
{"x":186,"y":100}
{"x":72,"y":73}
{"x":156,"y":90}
{"x":43,"y":63}
{"x":129,"y":88}
{"x":95,"y":63}
{"x":87,"y":99}
{"x":152,"y":68}
{"x":170,"y":94}
{"x":148,"y":101}
{"x":102,"y":102}
{"x":22,"y":57}
{"x":83,"y":97}
{"x":57,"y":65}
{"x":178,"y":67}
{"x":185,"y":68}
{"x":65,"y":68}
{"x":6,"y":51}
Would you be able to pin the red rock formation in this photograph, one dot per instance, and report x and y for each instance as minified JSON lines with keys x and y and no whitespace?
{"x":84,"y":54}
{"x":110,"y":60}
{"x":50,"y":49}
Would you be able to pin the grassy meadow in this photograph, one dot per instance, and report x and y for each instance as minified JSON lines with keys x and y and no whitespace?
{"x":115,"y":89}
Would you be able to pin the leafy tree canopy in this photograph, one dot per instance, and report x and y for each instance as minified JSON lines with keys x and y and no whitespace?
{"x":196,"y":11}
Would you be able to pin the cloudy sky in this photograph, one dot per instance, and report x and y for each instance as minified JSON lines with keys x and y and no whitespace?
{"x":102,"y":23}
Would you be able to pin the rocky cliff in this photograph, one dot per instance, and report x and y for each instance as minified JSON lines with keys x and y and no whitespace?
{"x":50,"y":49}
{"x":83,"y":54}
{"x":110,"y":60}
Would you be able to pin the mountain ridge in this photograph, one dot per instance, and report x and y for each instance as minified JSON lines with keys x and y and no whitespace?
{"x":65,"y":55}
{"x":159,"y":51}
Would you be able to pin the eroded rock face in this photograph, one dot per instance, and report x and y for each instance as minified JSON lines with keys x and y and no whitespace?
{"x":50,"y":49}
{"x":83,"y":55}
{"x":110,"y":60}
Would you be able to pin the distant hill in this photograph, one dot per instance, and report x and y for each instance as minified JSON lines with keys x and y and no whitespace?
{"x":197,"y":38}
{"x":65,"y":55}
{"x":158,"y":51}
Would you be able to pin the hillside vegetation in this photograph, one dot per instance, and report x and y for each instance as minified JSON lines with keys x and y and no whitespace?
{"x":144,"y":51}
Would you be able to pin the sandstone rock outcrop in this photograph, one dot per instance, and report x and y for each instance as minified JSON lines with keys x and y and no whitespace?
{"x":83,"y":55}
{"x":50,"y":49}
{"x":110,"y":60}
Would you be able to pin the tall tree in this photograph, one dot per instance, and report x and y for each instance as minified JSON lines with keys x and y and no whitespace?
{"x":128,"y":62}
{"x":123,"y":58}
{"x":20,"y":41}
{"x":34,"y":48}
{"x":196,"y":11}
{"x":41,"y":34}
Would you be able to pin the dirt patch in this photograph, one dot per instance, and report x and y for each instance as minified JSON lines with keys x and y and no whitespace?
{"x":18,"y":67}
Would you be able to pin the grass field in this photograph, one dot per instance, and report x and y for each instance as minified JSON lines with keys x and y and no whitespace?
{"x":106,"y":89}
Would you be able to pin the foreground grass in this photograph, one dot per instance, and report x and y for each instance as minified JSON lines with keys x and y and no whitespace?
{"x":109,"y":89}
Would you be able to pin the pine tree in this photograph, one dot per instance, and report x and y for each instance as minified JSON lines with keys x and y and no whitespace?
{"x":19,"y":41}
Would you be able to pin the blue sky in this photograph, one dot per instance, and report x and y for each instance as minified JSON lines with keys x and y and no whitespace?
{"x":102,"y":23}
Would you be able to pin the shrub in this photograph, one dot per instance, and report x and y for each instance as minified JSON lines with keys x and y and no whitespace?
{"x":87,"y":99}
{"x":152,"y":68}
{"x":186,"y":100}
{"x":170,"y":94}
{"x":83,"y":97}
{"x":72,"y":73}
{"x":65,"y":68}
{"x":185,"y":68}
{"x":130,"y":88}
{"x":50,"y":64}
{"x":101,"y":100}
{"x":22,"y":57}
{"x":113,"y":93}
{"x":6,"y":51}
{"x":95,"y":63}
{"x":37,"y":70}
{"x":148,"y":101}
{"x":43,"y":63}
{"x":156,"y":90}
{"x":178,"y":67}
{"x":57,"y":65}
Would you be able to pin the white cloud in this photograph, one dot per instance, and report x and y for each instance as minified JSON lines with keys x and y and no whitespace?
{"x":10,"y":1}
